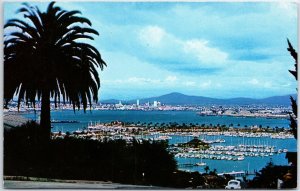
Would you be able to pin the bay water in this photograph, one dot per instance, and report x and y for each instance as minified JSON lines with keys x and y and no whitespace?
{"x":249,"y":163}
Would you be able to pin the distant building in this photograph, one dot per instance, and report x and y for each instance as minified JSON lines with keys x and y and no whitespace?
{"x":155,"y":104}
{"x":158,"y":104}
{"x":137,"y":102}
{"x":119,"y":104}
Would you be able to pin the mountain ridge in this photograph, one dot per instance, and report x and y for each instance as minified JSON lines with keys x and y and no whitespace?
{"x":176,"y":98}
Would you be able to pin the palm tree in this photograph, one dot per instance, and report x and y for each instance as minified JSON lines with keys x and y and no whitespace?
{"x":293,"y":118}
{"x":43,"y":59}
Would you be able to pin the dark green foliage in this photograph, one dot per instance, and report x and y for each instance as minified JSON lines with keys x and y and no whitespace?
{"x":293,"y":125}
{"x":214,"y":172}
{"x":43,"y":59}
{"x":206,"y":168}
{"x":269,"y":175}
{"x":293,"y":118}
{"x":70,"y":158}
{"x":195,"y":143}
{"x":294,"y":105}
{"x":295,"y":56}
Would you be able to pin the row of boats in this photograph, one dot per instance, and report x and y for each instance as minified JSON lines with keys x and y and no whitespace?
{"x":273,"y":135}
{"x":220,"y":152}
{"x":212,"y":157}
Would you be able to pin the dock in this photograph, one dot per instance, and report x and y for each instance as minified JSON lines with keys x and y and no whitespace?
{"x":233,"y":173}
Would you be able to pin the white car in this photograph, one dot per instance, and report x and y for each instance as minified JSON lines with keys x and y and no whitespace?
{"x":233,"y":184}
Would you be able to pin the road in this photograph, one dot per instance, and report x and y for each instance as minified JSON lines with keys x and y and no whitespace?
{"x":13,"y":184}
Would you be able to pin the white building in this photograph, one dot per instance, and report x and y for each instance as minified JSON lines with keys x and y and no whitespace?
{"x":119,"y":104}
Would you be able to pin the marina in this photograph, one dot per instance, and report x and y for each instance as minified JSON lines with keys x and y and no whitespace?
{"x":175,"y":95}
{"x":229,"y":152}
{"x":233,"y":148}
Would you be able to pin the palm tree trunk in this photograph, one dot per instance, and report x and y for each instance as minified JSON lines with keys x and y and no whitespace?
{"x":45,"y":115}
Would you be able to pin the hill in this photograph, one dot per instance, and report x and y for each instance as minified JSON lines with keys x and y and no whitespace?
{"x":182,"y":99}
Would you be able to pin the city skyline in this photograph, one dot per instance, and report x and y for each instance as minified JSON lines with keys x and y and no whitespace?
{"x":220,"y":50}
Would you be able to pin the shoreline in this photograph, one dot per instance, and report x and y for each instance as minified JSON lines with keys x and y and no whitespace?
{"x":254,"y":115}
{"x":19,"y":118}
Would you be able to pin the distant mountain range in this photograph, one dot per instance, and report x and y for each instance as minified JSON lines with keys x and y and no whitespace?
{"x":182,"y":99}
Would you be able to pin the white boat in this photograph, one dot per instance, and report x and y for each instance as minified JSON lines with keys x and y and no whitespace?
{"x":201,"y":164}
{"x":163,"y":137}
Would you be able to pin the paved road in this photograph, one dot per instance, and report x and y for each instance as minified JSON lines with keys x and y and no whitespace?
{"x":12,"y":184}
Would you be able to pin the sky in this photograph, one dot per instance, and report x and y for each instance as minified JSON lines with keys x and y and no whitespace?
{"x":220,"y":50}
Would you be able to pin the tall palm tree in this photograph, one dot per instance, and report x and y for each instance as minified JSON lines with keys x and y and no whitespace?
{"x":46,"y":56}
{"x":293,"y":118}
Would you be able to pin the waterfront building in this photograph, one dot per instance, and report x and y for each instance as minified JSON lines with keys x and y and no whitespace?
{"x":119,"y":104}
{"x":155,"y":104}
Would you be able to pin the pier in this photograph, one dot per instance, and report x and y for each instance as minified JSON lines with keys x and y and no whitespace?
{"x":238,"y":173}
{"x":233,"y":173}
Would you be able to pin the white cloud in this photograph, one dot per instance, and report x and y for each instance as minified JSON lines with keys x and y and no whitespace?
{"x":141,"y":80}
{"x":148,"y":50}
{"x":151,"y":36}
{"x":267,"y":85}
{"x":157,"y":43}
{"x":204,"y":53}
{"x":285,"y":8}
{"x":253,"y":81}
{"x":171,"y":79}
{"x":206,"y":84}
{"x":286,"y":85}
{"x":190,"y":83}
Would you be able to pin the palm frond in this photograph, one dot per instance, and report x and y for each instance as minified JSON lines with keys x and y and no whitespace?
{"x":295,"y":56}
{"x":44,"y":53}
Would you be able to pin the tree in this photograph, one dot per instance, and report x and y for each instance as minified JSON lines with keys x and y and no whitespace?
{"x":293,"y":118}
{"x":214,"y":172}
{"x":268,"y":176}
{"x":206,"y":168}
{"x":43,"y":59}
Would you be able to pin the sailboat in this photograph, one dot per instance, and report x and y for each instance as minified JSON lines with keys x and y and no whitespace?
{"x":201,"y":163}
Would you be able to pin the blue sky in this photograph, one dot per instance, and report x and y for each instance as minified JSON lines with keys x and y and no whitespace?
{"x":220,"y":50}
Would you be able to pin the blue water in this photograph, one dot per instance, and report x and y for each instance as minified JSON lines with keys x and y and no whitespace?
{"x":155,"y":117}
{"x":250,"y":163}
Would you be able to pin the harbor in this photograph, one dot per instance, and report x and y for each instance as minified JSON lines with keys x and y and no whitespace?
{"x":235,"y":143}
{"x":166,"y":95}
{"x":240,"y":150}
